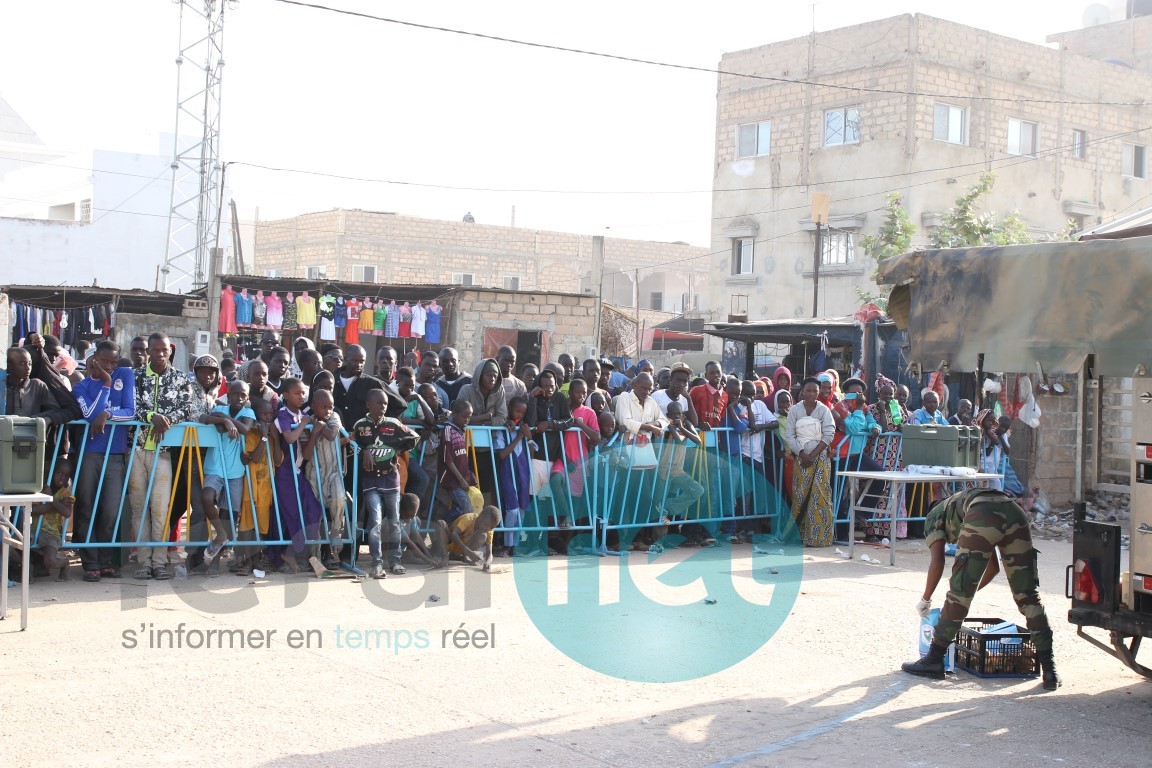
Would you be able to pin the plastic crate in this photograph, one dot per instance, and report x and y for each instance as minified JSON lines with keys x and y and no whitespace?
{"x":1004,"y":654}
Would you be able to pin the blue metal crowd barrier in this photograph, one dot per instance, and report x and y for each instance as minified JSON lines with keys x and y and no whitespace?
{"x":599,"y":490}
{"x":188,"y":440}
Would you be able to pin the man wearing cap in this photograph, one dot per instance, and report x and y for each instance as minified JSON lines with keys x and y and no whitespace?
{"x":617,"y":382}
{"x":677,"y":392}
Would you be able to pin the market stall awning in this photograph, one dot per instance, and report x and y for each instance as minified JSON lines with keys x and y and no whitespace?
{"x":1052,"y":303}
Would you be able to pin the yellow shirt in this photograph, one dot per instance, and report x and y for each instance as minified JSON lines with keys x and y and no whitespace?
{"x":465,"y":525}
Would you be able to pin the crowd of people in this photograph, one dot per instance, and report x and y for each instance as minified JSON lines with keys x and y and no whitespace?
{"x":446,"y":465}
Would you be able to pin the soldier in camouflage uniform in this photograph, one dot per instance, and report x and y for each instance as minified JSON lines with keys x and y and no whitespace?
{"x":980,"y":521}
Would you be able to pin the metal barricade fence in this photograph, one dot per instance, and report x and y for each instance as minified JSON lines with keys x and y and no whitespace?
{"x":183,"y":473}
{"x":714,"y":485}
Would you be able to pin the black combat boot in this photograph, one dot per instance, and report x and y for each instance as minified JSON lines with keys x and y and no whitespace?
{"x":1051,"y":679}
{"x":931,"y":665}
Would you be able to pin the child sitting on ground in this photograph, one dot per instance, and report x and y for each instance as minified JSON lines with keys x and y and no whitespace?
{"x":260,"y":456}
{"x":456,"y":474}
{"x":325,"y":471}
{"x":415,"y":550}
{"x":223,"y":468}
{"x":467,"y":533}
{"x":50,"y":538}
{"x":513,"y":472}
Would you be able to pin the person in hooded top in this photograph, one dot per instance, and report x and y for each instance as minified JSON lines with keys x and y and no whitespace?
{"x":486,"y":394}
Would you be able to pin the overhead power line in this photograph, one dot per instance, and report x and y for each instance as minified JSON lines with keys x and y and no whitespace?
{"x":694,"y":68}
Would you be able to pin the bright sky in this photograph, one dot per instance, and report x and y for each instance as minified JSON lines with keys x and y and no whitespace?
{"x":310,"y":89}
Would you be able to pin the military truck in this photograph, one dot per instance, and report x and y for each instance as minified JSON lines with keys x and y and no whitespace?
{"x":1078,"y":308}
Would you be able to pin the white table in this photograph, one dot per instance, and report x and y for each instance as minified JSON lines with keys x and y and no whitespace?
{"x":12,"y":537}
{"x":896,"y":480}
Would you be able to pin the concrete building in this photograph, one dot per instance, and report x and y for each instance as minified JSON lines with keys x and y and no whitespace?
{"x":920,"y":106}
{"x":81,"y":217}
{"x":388,"y":248}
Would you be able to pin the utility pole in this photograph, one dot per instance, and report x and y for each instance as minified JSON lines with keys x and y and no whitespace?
{"x":196,"y":168}
{"x":637,"y":273}
{"x":820,"y":202}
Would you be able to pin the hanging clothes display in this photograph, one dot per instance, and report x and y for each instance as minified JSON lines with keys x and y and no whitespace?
{"x":379,"y":319}
{"x":305,"y":312}
{"x":419,"y":320}
{"x":367,"y":318}
{"x":405,"y":321}
{"x":327,"y":310}
{"x":69,"y":325}
{"x":275,"y":311}
{"x":259,"y":311}
{"x":228,"y":310}
{"x":432,"y":325}
{"x":392,"y":322}
{"x":340,"y":317}
{"x":243,"y":309}
{"x":352,"y":329}
{"x":290,"y":313}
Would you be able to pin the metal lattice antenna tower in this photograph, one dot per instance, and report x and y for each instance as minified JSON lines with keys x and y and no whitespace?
{"x":196,"y":170}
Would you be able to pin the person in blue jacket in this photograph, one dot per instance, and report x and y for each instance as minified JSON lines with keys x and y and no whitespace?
{"x":107,"y":398}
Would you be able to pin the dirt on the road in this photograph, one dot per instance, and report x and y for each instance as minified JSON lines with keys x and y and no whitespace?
{"x":118,"y":674}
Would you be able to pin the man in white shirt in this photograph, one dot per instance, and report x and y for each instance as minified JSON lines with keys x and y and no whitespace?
{"x":677,"y":391}
{"x":637,"y":412}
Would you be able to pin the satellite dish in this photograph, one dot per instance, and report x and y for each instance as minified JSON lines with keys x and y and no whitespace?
{"x":1095,"y":15}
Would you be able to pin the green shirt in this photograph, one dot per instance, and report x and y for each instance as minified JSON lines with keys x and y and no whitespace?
{"x":947,"y":517}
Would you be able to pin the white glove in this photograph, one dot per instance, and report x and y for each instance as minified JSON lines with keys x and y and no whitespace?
{"x":923,"y":607}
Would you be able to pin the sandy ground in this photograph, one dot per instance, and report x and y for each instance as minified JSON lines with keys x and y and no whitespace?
{"x":83,"y":686}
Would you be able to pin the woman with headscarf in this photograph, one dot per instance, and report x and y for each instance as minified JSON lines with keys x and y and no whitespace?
{"x":782,"y":380}
{"x":810,"y":431}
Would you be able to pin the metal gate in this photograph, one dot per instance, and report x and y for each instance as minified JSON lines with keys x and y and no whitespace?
{"x":1108,"y":441}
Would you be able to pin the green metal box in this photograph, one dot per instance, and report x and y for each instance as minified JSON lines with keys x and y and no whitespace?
{"x":21,"y":454}
{"x":936,"y":444}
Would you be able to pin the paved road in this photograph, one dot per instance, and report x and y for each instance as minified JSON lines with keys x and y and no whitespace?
{"x":83,"y":681}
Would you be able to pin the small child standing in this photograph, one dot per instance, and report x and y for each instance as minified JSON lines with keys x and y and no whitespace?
{"x":513,"y":472}
{"x":300,"y":510}
{"x":260,"y":456}
{"x":51,"y":535}
{"x":382,"y":440}
{"x":456,"y":474}
{"x":325,"y":470}
{"x":223,"y":468}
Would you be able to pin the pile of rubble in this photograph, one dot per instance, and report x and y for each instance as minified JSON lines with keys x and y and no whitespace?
{"x":1048,"y":523}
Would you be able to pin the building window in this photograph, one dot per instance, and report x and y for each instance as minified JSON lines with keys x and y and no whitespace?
{"x":1135,"y":161}
{"x":838,"y":248}
{"x":739,"y":304}
{"x":842,"y":126}
{"x":1021,"y":138}
{"x":1079,"y":144}
{"x":85,"y":210}
{"x":753,"y":139}
{"x":273,"y":273}
{"x":463,"y":278}
{"x":363,"y":273}
{"x":315,"y":273}
{"x":950,"y":124}
{"x":657,"y":302}
{"x":743,"y":255}
{"x":511,"y":282}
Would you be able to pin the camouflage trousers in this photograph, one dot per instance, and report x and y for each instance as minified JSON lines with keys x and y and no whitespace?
{"x":989,"y":526}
